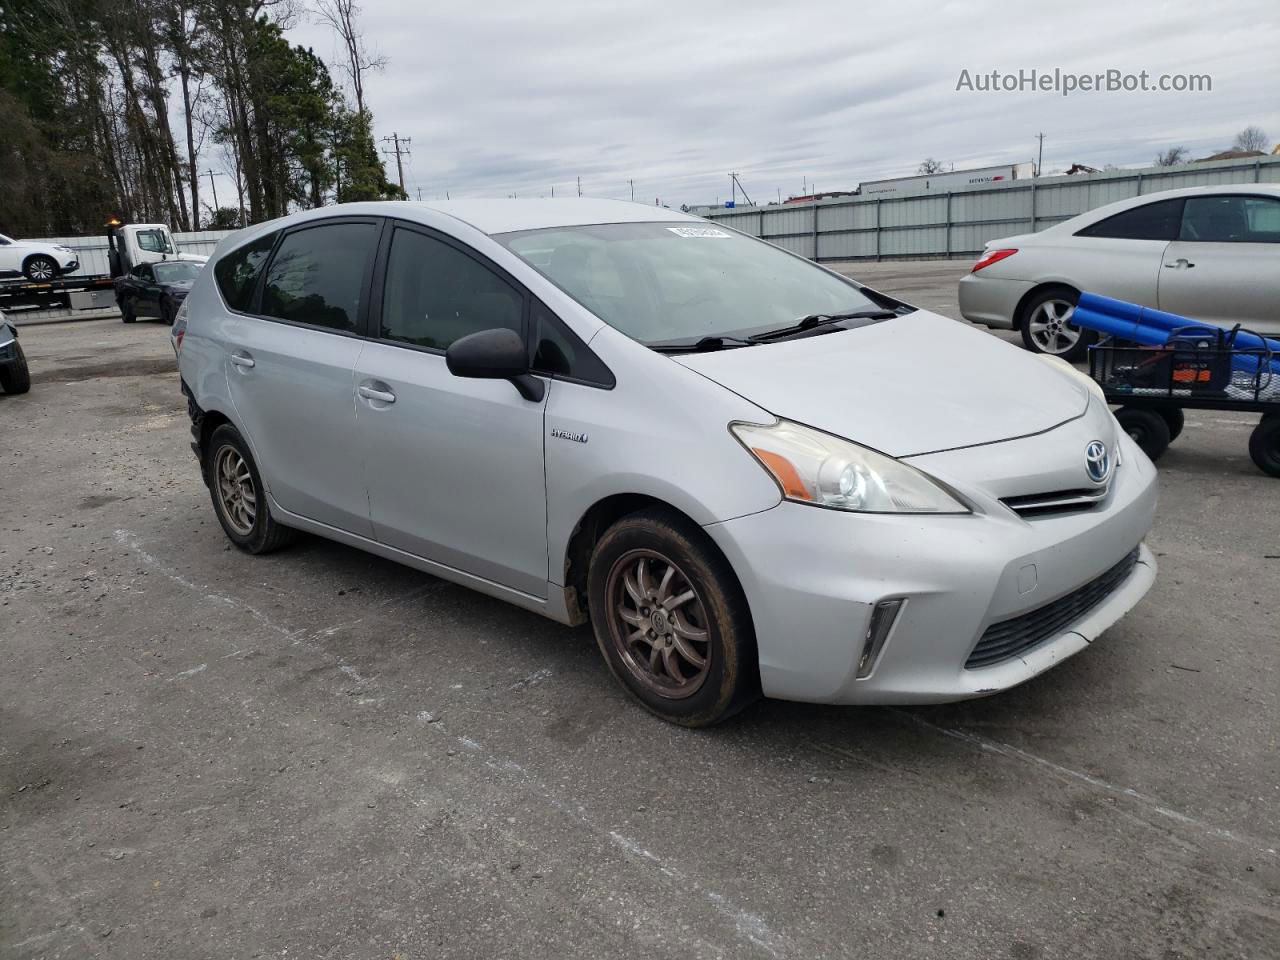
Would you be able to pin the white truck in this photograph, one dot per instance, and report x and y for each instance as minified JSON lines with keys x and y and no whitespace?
{"x":128,"y":245}
{"x":948,"y":180}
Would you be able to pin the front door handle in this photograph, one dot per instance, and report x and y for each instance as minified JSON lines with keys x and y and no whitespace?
{"x":1179,"y":264}
{"x":373,"y":393}
{"x":242,"y":360}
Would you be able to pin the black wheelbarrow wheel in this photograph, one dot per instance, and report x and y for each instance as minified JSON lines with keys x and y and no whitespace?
{"x":1174,"y":417}
{"x":1264,"y":444}
{"x":1148,"y":429}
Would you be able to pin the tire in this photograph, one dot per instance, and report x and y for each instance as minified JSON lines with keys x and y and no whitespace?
{"x":166,"y":314}
{"x":1175,"y":419}
{"x":1149,"y":430}
{"x":1264,"y":445}
{"x":1046,"y":328}
{"x":40,"y":269}
{"x":239,"y":498}
{"x":728,"y":677}
{"x":126,"y":313}
{"x":16,"y":377}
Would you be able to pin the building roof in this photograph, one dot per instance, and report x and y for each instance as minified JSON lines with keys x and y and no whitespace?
{"x":1232,"y":155}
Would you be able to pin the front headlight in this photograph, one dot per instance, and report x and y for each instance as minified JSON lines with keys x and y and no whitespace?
{"x":817,"y":468}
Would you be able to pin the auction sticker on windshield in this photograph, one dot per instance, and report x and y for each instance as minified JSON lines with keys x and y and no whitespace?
{"x":698,"y":232}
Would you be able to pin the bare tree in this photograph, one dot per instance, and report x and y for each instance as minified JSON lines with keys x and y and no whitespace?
{"x":1171,"y":157}
{"x":342,"y":17}
{"x":1251,"y":138}
{"x":930,"y":166}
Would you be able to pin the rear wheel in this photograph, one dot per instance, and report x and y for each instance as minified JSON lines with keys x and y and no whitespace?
{"x":1047,"y":327}
{"x":671,"y":620}
{"x":1264,"y":445}
{"x":239,"y":498}
{"x":40,"y":268}
{"x":16,"y":377}
{"x":1148,"y":429}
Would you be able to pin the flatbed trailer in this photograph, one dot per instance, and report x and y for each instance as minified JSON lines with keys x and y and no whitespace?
{"x":66,"y":297}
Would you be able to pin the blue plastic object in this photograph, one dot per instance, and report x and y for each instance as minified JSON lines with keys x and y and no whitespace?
{"x":1130,"y":321}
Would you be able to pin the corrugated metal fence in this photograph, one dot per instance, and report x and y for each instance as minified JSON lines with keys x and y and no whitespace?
{"x":958,"y":223}
{"x":93,"y":250}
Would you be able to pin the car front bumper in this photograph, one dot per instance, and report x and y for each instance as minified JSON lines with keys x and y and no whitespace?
{"x":813,"y":578}
{"x":991,"y":301}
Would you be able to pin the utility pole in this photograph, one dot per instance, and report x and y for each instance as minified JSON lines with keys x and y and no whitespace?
{"x":579,"y":186}
{"x":1040,"y":162}
{"x":401,"y":149}
{"x":213,"y":186}
{"x":736,"y":184}
{"x":632,"y":184}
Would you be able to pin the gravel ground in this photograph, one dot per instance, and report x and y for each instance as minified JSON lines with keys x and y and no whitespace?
{"x":323,"y":754}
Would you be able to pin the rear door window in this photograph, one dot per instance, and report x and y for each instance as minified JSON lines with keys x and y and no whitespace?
{"x":318,"y":275}
{"x":1152,"y":221}
{"x":237,"y":273}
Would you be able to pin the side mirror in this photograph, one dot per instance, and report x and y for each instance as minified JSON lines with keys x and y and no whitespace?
{"x":498,"y":354}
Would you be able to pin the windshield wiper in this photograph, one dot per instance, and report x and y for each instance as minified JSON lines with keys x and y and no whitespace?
{"x":821,"y":320}
{"x":705,"y":345}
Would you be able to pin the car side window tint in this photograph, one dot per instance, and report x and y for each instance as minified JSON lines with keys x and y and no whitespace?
{"x":317,"y":275}
{"x":145,"y":273}
{"x":435,"y":293}
{"x":1151,"y":221}
{"x":237,"y":272}
{"x":1238,"y":219}
{"x":561,"y":352}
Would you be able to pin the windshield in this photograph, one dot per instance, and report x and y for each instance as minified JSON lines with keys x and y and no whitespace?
{"x":176,"y":271}
{"x":680,"y":282}
{"x":154,"y":241}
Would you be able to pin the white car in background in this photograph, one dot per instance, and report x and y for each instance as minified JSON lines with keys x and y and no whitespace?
{"x":1209,"y":253}
{"x":35,"y":259}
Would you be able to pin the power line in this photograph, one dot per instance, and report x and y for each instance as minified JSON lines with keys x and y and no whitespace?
{"x":400,"y":150}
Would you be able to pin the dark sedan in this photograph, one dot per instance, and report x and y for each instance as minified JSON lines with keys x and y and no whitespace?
{"x":14,"y":376}
{"x":155,"y":290}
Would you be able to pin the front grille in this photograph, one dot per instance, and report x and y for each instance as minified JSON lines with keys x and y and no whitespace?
{"x":1010,"y":638}
{"x":1059,"y":501}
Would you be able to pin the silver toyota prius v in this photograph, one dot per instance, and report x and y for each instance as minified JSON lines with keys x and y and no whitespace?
{"x":750,"y":474}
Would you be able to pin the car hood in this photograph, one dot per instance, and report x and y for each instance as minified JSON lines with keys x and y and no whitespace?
{"x":911,"y":385}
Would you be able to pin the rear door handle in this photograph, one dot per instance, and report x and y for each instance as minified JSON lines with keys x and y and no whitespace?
{"x":242,"y":360}
{"x":373,"y":393}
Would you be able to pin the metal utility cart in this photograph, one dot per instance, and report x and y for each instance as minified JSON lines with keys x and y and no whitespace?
{"x":1198,"y":369}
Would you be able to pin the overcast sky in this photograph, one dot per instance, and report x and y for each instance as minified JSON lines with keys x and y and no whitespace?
{"x":503,"y":98}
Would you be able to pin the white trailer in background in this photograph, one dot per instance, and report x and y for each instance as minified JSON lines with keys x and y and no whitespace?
{"x":948,"y":180}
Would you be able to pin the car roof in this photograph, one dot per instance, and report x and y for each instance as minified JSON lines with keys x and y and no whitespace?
{"x":508,"y":215}
{"x":487,"y":216}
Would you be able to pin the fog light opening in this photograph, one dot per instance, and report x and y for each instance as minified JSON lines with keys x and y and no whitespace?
{"x":882,"y":620}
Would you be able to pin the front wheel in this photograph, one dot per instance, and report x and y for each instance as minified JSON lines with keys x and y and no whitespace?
{"x":671,"y":620}
{"x":16,"y":377}
{"x":126,"y":312}
{"x":239,"y":498}
{"x":40,"y":269}
{"x":1047,"y":327}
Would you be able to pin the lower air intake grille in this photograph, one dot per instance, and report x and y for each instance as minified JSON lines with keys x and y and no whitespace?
{"x":1009,"y":638}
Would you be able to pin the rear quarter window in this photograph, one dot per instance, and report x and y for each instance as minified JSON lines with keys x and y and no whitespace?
{"x":237,"y":272}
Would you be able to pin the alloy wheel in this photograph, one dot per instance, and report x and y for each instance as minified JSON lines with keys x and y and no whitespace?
{"x":1051,"y":329}
{"x":658,"y":624}
{"x":41,"y":269}
{"x":236,"y":494}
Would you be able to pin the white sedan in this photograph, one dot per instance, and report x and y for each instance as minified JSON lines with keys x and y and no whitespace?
{"x":1210,"y":253}
{"x":36,"y":260}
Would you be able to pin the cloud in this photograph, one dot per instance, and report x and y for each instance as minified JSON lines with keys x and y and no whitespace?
{"x":503,"y":98}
